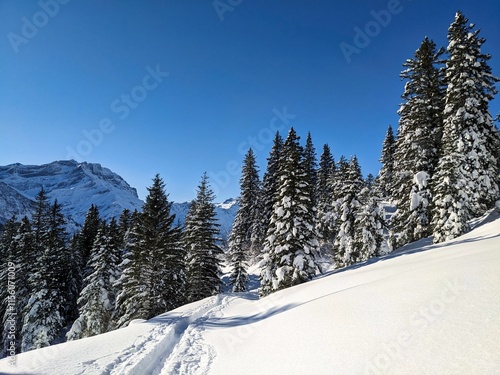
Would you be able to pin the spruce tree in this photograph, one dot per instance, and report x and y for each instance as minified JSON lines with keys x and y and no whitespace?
{"x":162,"y":239}
{"x":386,"y":173}
{"x":97,"y":299}
{"x":369,"y":224}
{"x":291,"y":244}
{"x":45,"y":311}
{"x":466,"y":180}
{"x":200,"y":241}
{"x":270,"y":183}
{"x":242,"y":240}
{"x":346,"y":251}
{"x":87,"y":236}
{"x":133,"y":287}
{"x":323,"y":194}
{"x":418,"y":144}
{"x":311,"y":168}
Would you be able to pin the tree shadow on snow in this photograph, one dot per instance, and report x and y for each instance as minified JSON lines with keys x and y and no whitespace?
{"x":237,"y":321}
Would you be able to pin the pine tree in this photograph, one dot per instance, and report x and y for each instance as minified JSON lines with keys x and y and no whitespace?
{"x":199,"y":239}
{"x":346,"y":252}
{"x":45,"y":311}
{"x":466,"y":180}
{"x":162,"y":239}
{"x":97,"y":299}
{"x":270,"y":183}
{"x":242,"y":240}
{"x":323,"y":194}
{"x":311,"y":168}
{"x":291,"y":244}
{"x":385,"y":177}
{"x":87,"y":236}
{"x":133,"y":289}
{"x":418,"y":143}
{"x":368,"y":223}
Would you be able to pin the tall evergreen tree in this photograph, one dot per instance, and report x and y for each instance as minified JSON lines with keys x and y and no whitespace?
{"x":199,"y":239}
{"x":323,"y":194}
{"x":311,"y":168}
{"x":87,"y":236}
{"x":346,"y":251}
{"x":242,"y":238}
{"x":133,"y":289}
{"x":386,"y":173}
{"x":466,"y":179}
{"x":45,"y":311}
{"x":162,"y":239}
{"x":369,"y":224}
{"x":97,"y":299}
{"x":418,"y":143}
{"x":152,"y":278}
{"x":270,"y":183}
{"x":291,"y":244}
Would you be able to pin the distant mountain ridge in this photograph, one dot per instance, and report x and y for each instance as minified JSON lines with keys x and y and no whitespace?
{"x":78,"y":185}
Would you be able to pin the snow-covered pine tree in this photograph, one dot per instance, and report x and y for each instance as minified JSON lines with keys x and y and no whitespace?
{"x":323,"y":194}
{"x":418,"y":144}
{"x":466,"y":180}
{"x":133,"y":287}
{"x":204,"y":256}
{"x":162,"y":239}
{"x":45,"y":311}
{"x":87,"y":236}
{"x":311,"y":168}
{"x":291,"y":244}
{"x":97,"y":299}
{"x":270,"y":183}
{"x":386,"y":173}
{"x":346,"y":253}
{"x":75,"y":276}
{"x":369,"y":224}
{"x":242,"y":236}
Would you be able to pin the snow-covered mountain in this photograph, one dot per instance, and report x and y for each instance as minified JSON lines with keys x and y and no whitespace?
{"x":75,"y":186}
{"x":78,"y":185}
{"x":425,"y":309}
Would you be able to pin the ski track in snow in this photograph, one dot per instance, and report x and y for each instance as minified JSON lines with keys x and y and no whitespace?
{"x":173,"y":347}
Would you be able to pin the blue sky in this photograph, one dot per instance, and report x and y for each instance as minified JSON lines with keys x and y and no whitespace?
{"x":183,"y":87}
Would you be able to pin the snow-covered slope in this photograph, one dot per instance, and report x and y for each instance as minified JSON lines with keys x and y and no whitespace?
{"x":422,"y":310}
{"x":78,"y":185}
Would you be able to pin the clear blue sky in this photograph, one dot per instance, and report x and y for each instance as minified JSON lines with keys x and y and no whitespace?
{"x":179,"y":88}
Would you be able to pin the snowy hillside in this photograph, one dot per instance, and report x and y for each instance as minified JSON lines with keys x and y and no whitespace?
{"x":78,"y":185}
{"x":426,"y":309}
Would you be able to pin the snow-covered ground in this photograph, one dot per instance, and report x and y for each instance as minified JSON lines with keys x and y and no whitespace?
{"x":426,"y":309}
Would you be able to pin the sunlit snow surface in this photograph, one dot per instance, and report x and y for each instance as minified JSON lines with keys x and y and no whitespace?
{"x":426,"y":309}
